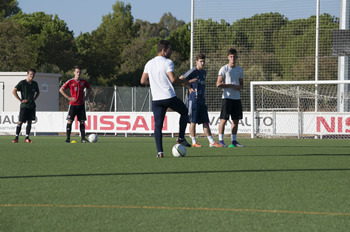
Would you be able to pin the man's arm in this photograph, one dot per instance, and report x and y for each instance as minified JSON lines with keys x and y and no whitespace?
{"x":188,"y":86}
{"x":14,"y":92}
{"x":36,"y":95}
{"x":220,"y":84}
{"x":144,"y":79}
{"x":65,"y":95}
{"x":177,"y":80}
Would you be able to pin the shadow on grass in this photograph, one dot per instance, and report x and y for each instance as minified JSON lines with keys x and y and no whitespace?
{"x":171,"y":173}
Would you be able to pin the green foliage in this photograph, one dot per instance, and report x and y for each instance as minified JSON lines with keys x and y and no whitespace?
{"x":168,"y":23}
{"x":51,"y":36}
{"x":101,"y":51}
{"x":8,"y":8}
{"x":17,"y":52}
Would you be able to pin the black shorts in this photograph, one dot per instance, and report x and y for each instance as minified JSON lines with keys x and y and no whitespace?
{"x":78,"y":111}
{"x":26,"y":114}
{"x":231,"y":107}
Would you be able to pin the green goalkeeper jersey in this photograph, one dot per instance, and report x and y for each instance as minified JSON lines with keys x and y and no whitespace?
{"x":28,"y":92}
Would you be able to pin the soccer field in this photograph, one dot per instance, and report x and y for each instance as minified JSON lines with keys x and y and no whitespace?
{"x":118,"y":184}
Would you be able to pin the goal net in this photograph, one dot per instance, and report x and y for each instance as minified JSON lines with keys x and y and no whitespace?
{"x":300,"y":109}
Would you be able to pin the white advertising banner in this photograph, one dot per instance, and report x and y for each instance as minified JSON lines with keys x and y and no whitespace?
{"x":143,"y":122}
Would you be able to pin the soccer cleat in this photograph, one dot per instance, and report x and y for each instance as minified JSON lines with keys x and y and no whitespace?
{"x":215,"y":144}
{"x":15,"y":141}
{"x":28,"y":141}
{"x":160,"y":155}
{"x":183,"y":142}
{"x":67,"y":141}
{"x":222,"y":144}
{"x":196,"y":145}
{"x":85,"y":141}
{"x":236,"y":144}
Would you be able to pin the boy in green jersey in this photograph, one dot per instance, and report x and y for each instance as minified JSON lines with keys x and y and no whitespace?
{"x":29,"y":93}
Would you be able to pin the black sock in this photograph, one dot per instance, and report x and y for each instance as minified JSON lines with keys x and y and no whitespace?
{"x":82,"y":130}
{"x":18,"y":130}
{"x":69,"y":129}
{"x":29,"y":127}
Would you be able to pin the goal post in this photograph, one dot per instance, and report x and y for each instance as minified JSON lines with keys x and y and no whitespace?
{"x":299,"y":109}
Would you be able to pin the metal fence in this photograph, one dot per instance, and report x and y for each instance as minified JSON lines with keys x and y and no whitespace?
{"x":120,"y":99}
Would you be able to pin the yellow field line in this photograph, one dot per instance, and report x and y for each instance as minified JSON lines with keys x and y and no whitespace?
{"x":173,"y":208}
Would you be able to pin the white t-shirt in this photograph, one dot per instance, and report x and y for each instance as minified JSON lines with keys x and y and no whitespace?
{"x":161,"y":86}
{"x":231,"y":76}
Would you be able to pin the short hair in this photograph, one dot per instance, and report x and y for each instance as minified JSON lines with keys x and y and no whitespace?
{"x":232,"y":51}
{"x":163,"y":44}
{"x":200,"y":56}
{"x":31,"y":70}
{"x":77,"y":67}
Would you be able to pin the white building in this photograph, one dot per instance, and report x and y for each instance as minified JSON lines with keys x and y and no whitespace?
{"x":48,"y":86}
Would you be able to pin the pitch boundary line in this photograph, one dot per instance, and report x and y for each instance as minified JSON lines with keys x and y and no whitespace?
{"x":174,"y":208}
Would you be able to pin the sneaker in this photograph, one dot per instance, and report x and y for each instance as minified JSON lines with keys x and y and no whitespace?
{"x":28,"y":141}
{"x":183,"y":142}
{"x":222,"y":144}
{"x":215,"y":144}
{"x":85,"y":141}
{"x":67,"y":141}
{"x":236,"y":144}
{"x":15,"y":141}
{"x":196,"y":145}
{"x":160,"y":155}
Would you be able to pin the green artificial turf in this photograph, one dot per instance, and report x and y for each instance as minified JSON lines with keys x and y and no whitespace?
{"x":118,"y":184}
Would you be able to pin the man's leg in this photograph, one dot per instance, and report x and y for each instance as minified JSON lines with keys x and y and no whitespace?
{"x":28,"y":129}
{"x":159,"y":112}
{"x":234,"y":129}
{"x":68,"y":130}
{"x":18,"y":131}
{"x":221,"y":132}
{"x":177,"y":105}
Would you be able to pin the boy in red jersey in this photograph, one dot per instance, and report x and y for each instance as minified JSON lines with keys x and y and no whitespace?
{"x":77,"y":100}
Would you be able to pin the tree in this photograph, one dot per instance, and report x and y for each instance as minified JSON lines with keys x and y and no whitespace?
{"x":169,"y":23}
{"x":101,"y":51}
{"x":8,"y":8}
{"x":17,"y":53}
{"x":53,"y":40}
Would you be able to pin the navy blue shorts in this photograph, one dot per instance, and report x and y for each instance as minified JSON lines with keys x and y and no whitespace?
{"x":197,"y":112}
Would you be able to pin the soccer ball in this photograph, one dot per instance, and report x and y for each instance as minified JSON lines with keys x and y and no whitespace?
{"x":93,"y":138}
{"x":179,"y":150}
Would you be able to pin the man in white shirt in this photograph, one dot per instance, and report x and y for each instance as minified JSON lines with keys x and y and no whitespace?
{"x":159,"y":74}
{"x":230,"y":79}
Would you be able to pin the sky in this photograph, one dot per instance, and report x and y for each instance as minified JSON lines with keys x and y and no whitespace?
{"x":86,"y":15}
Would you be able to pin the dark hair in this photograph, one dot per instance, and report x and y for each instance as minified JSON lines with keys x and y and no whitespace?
{"x":163,"y":44}
{"x":200,"y":56}
{"x":77,"y":67}
{"x":31,"y":70}
{"x":232,"y":51}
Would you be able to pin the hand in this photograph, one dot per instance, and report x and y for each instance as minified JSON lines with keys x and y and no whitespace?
{"x":192,"y":90}
{"x":24,"y":101}
{"x":71,"y":98}
{"x":193,"y":80}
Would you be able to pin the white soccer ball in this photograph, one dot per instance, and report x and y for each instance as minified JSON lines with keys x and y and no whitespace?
{"x":93,"y":138}
{"x":179,"y":150}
